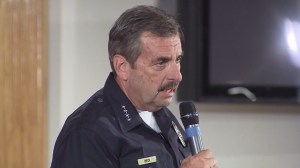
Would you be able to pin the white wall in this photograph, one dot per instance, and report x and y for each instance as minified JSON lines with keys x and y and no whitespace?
{"x":241,"y":136}
{"x":78,"y":57}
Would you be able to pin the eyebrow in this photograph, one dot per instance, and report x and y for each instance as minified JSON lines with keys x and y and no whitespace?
{"x":163,"y":58}
{"x":167,"y":58}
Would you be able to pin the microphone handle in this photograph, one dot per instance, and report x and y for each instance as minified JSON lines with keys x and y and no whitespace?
{"x":196,"y":144}
{"x":194,"y":138}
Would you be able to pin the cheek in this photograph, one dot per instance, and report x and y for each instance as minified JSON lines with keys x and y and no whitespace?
{"x":142,"y":80}
{"x":148,"y":82}
{"x":149,"y":78}
{"x":153,"y":78}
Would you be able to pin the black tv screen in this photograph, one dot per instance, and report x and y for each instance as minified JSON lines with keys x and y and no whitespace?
{"x":239,"y":50}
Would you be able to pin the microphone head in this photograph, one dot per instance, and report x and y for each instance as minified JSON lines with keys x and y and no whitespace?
{"x":188,"y":114}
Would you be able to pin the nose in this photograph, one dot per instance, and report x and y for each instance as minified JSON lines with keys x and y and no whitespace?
{"x":174,"y":72}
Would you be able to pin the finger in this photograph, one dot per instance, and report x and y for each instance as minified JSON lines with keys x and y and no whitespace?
{"x":205,"y":154}
{"x":212,"y":162}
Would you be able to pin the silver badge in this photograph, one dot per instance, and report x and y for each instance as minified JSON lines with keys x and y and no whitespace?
{"x":178,"y":134}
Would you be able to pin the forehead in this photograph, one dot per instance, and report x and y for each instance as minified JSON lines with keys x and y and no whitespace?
{"x":153,"y":42}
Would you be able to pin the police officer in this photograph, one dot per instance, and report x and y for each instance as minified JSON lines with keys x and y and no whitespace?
{"x":126,"y":123}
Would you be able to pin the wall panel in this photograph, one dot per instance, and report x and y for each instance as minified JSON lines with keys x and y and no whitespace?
{"x":23,"y":83}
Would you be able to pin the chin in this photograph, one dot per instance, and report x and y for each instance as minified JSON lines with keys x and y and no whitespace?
{"x":166,"y":102}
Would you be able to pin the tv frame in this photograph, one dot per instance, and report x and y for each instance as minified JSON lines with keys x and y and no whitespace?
{"x":193,"y":16}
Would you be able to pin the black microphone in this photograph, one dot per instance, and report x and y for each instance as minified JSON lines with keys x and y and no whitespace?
{"x":190,"y":120}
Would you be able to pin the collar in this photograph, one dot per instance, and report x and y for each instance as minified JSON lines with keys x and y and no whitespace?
{"x":124,"y":110}
{"x":164,"y":120}
{"x":126,"y":113}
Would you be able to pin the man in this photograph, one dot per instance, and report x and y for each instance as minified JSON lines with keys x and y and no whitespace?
{"x":126,"y":124}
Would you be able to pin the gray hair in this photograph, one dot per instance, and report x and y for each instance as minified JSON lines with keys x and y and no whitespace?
{"x":124,"y":36}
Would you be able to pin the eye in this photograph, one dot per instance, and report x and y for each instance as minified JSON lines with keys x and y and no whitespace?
{"x":161,"y":61}
{"x":178,"y":59}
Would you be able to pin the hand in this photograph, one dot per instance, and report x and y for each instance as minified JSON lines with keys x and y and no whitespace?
{"x":204,"y":159}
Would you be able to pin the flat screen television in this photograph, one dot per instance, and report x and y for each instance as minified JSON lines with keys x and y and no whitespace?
{"x":240,"y":51}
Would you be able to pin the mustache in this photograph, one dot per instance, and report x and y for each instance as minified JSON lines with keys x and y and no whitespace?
{"x":167,"y":86}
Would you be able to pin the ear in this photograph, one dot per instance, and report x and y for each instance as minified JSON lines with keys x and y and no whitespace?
{"x":121,"y":66}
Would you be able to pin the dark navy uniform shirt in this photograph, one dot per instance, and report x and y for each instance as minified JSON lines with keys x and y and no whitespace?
{"x":107,"y":132}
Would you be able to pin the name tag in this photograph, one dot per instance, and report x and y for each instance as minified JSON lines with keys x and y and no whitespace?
{"x":147,"y":160}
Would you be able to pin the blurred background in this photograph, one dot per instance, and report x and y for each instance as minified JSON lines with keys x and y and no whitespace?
{"x":68,"y":41}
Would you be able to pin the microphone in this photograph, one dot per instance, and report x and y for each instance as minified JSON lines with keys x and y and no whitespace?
{"x":190,"y":120}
